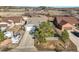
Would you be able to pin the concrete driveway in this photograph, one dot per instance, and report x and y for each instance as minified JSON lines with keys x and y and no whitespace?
{"x":26,"y":44}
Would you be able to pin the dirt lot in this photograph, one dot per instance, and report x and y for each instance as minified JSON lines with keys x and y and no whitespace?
{"x":11,"y":13}
{"x":55,"y":45}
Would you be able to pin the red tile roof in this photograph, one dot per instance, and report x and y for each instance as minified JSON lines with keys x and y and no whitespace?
{"x":65,"y":19}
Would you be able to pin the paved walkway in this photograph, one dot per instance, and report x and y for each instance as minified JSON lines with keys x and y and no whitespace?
{"x":26,"y":44}
{"x":74,"y":39}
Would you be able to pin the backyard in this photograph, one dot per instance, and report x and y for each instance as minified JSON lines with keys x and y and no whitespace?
{"x":55,"y":45}
{"x":45,"y":30}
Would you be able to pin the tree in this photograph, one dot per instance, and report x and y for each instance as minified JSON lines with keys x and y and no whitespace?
{"x":44,"y":30}
{"x":1,"y":36}
{"x":47,"y":27}
{"x":65,"y":36}
{"x":39,"y":34}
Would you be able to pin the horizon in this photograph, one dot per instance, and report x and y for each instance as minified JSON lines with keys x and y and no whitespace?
{"x":46,"y":6}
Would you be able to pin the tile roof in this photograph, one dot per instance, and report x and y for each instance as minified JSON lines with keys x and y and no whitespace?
{"x":8,"y":20}
{"x":65,"y":19}
{"x":15,"y":19}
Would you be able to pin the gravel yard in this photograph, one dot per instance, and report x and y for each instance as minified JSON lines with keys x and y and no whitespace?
{"x":55,"y":45}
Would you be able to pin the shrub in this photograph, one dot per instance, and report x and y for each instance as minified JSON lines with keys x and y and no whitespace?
{"x":1,"y":36}
{"x":65,"y":36}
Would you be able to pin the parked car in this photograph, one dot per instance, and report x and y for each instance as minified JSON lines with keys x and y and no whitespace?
{"x":76,"y":33}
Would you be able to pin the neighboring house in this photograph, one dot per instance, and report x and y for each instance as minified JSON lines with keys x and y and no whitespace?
{"x":11,"y":21}
{"x":65,"y":22}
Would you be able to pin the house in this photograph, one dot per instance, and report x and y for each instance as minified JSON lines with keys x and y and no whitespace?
{"x":11,"y":21}
{"x":65,"y":22}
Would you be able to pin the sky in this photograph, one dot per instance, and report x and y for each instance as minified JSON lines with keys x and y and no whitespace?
{"x":55,"y":3}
